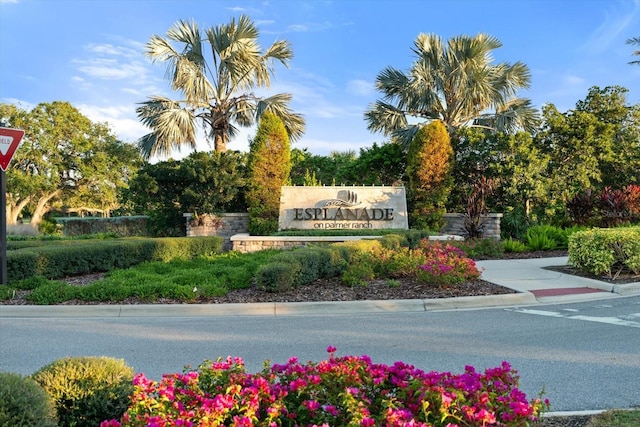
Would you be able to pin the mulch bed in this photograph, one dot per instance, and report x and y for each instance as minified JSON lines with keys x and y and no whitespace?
{"x":334,"y":290}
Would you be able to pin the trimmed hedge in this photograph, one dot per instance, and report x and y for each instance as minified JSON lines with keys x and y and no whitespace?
{"x":606,"y":251}
{"x":300,"y":266}
{"x":305,"y":265}
{"x":123,"y":226}
{"x":76,"y":257}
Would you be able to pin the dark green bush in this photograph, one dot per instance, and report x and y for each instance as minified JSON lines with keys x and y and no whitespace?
{"x":32,"y":283}
{"x":301,"y":266}
{"x":122,"y":226}
{"x":87,"y":390}
{"x":276,"y":276}
{"x":75,"y":257}
{"x":480,"y":248}
{"x":23,"y":403}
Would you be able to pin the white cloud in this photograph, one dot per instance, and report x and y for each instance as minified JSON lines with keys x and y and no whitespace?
{"x":122,"y":120}
{"x":616,"y":20}
{"x":361,"y":87}
{"x":573,"y":80}
{"x":25,"y":105}
{"x":111,"y":69}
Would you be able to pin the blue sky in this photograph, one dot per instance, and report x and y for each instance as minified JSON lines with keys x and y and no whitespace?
{"x":90,"y":53}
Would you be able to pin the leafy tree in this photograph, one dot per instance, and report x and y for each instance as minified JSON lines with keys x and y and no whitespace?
{"x":595,"y":145}
{"x":635,"y":41}
{"x":622,"y":121}
{"x":429,"y":172}
{"x":513,"y":162}
{"x":200,"y":183}
{"x":521,"y":174}
{"x":216,"y":94}
{"x":334,"y":169}
{"x":268,"y":167}
{"x":456,"y":83}
{"x":384,"y":164}
{"x":64,"y":161}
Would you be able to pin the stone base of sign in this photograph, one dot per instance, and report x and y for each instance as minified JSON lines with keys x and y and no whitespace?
{"x":490,"y":224}
{"x":245,"y":243}
{"x":222,"y":225}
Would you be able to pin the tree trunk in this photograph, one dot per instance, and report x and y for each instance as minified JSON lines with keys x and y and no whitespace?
{"x":219,"y":144}
{"x":14,"y":209}
{"x":42,"y":207}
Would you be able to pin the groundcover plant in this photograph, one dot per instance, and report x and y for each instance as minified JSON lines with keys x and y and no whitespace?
{"x":338,"y":391}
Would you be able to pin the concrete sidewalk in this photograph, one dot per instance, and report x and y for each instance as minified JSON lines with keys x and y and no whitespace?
{"x":547,"y":286}
{"x":533,"y":284}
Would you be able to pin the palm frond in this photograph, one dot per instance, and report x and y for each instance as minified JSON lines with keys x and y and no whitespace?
{"x":279,"y":105}
{"x":385,"y":118}
{"x":172,"y":127}
{"x":636,"y":41}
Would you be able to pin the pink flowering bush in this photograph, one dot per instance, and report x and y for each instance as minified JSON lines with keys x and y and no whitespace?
{"x":432,"y":262}
{"x":339,"y":391}
{"x":445,"y":264}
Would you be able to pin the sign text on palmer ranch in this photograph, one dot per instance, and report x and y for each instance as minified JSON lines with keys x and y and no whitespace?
{"x":342,"y":208}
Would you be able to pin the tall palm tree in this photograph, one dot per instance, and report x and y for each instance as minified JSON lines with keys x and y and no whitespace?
{"x":635,"y":41}
{"x":457,"y":84}
{"x":218,"y":95}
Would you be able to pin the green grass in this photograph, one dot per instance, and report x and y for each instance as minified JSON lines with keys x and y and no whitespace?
{"x":616,"y":418}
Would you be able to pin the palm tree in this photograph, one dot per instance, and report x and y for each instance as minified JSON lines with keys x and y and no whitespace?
{"x":217,"y":95}
{"x":457,"y":84}
{"x":636,"y":41}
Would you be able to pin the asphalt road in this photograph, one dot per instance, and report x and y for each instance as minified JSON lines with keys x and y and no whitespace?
{"x":586,"y":356}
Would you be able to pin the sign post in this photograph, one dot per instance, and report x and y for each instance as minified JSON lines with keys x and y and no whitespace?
{"x":9,"y":142}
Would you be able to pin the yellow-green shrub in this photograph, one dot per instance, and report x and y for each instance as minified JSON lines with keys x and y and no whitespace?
{"x":87,"y":390}
{"x":606,"y":251}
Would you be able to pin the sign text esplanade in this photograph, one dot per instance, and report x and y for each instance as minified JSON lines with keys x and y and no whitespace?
{"x":342,"y":208}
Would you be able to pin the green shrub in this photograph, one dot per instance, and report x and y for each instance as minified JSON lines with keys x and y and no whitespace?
{"x":74,"y":257}
{"x":513,"y":245}
{"x":87,"y":390}
{"x":479,"y":248}
{"x":32,"y":283}
{"x":276,"y":276}
{"x":544,"y":237}
{"x":6,"y":293}
{"x":514,"y":224}
{"x":358,"y":274}
{"x":606,"y":251}
{"x":52,"y":293}
{"x":23,"y":403}
{"x":120,"y":226}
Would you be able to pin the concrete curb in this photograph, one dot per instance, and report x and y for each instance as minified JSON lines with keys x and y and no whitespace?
{"x":327,"y":308}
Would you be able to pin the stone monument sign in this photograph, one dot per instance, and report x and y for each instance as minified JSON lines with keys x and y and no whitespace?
{"x":342,"y":208}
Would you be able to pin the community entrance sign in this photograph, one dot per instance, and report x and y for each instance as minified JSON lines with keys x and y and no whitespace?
{"x":342,"y":208}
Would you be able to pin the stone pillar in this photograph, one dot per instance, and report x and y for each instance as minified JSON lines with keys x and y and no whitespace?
{"x":223,"y":225}
{"x":489,"y":222}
